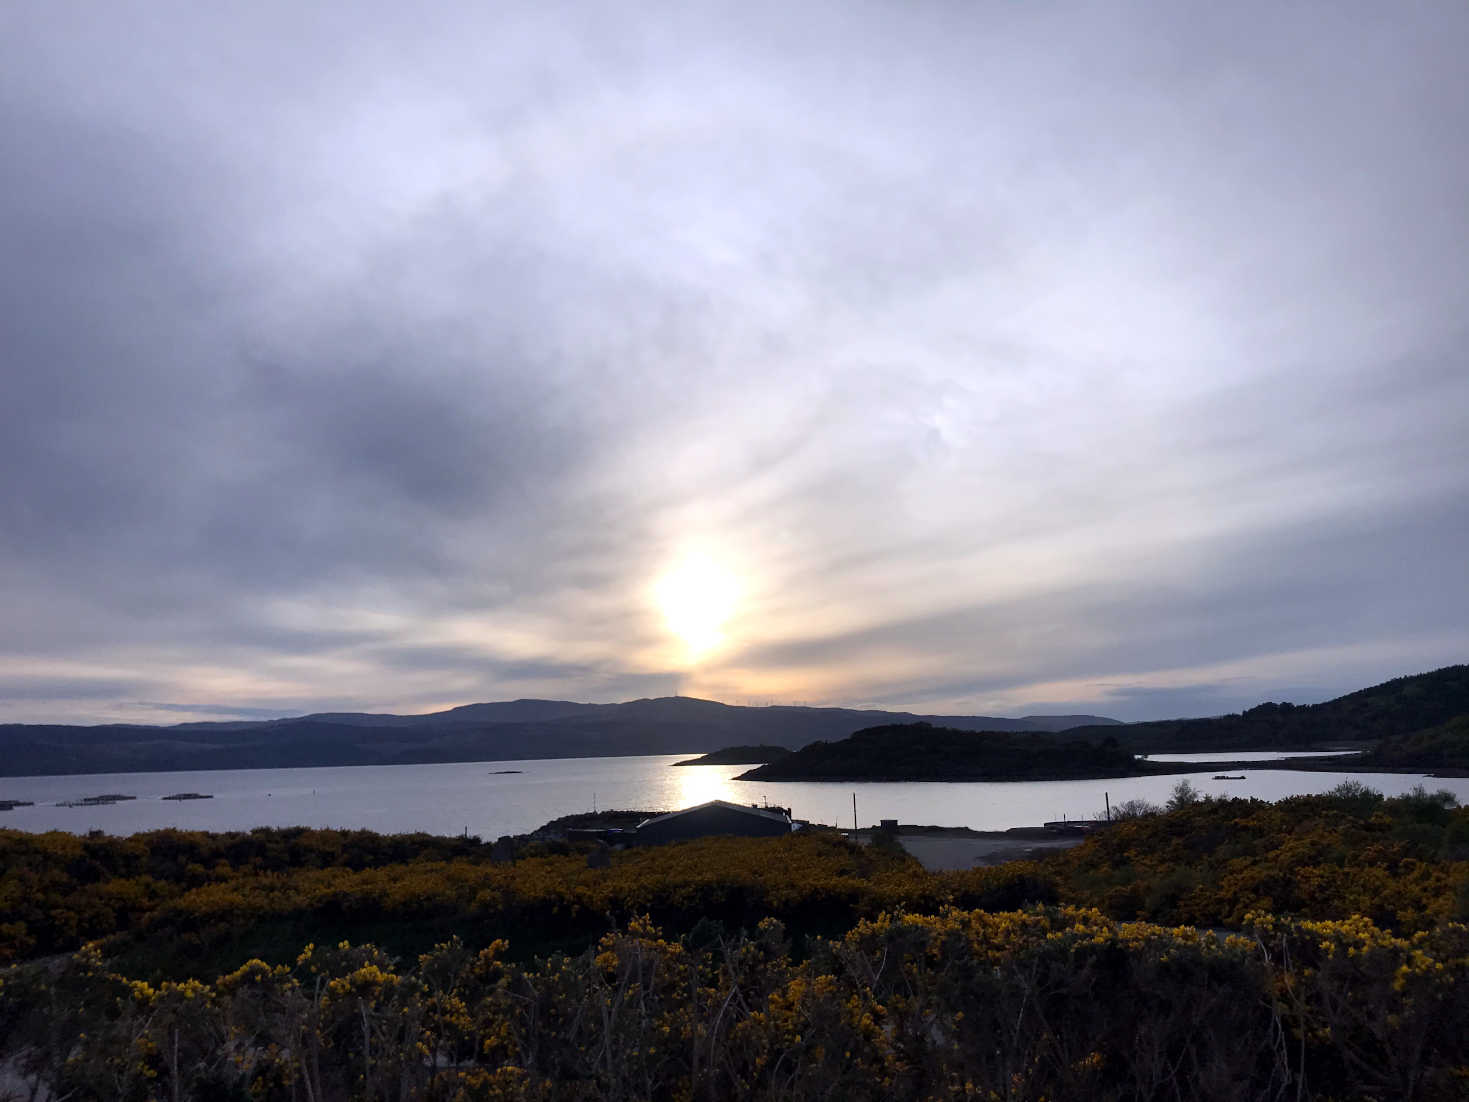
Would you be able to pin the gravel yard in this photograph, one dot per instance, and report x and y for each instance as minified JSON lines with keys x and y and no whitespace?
{"x":948,"y":852}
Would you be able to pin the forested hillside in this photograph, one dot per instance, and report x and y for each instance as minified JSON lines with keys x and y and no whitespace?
{"x":921,"y":752}
{"x":1398,"y":707}
{"x":1444,"y":748}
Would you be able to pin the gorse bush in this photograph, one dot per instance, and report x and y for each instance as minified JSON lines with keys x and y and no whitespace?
{"x":1399,"y":861}
{"x":175,"y":904}
{"x":1054,"y":1003}
{"x":176,"y":923}
{"x":800,"y":967}
{"x":60,"y":889}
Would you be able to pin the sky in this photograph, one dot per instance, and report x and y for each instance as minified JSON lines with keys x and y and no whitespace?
{"x":981,"y":357}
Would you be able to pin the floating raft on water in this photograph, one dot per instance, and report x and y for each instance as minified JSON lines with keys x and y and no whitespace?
{"x":11,"y":805}
{"x":96,"y":801}
{"x":190,"y":796}
{"x":1227,"y":777}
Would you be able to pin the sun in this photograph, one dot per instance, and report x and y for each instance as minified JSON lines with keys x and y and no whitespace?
{"x":697,"y":599}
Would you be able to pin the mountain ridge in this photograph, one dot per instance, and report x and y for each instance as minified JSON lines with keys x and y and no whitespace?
{"x":529,"y":729}
{"x":492,"y":731}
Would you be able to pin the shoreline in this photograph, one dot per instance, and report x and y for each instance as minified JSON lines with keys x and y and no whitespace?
{"x":1160,"y":769}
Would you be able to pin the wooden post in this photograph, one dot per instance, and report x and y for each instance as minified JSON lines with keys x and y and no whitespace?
{"x":1108,"y":800}
{"x":854,"y":813}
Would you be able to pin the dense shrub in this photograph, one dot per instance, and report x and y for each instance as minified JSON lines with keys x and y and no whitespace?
{"x":1399,"y":861}
{"x":179,"y":904}
{"x":1055,"y":1003}
{"x":799,"y":967}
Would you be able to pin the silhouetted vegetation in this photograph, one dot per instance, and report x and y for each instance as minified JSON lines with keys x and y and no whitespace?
{"x":1445,"y":747}
{"x":1398,"y":707}
{"x":920,"y":752}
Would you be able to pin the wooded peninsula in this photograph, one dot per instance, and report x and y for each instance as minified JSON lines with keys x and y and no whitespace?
{"x":1414,"y":723}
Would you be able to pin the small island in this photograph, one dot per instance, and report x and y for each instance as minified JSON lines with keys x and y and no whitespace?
{"x":739,"y":755}
{"x":922,"y":752}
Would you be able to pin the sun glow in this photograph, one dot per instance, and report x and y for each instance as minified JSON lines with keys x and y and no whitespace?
{"x":697,"y":598}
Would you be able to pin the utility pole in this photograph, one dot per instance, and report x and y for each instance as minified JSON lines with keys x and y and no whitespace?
{"x":1108,"y":800}
{"x":854,"y":813}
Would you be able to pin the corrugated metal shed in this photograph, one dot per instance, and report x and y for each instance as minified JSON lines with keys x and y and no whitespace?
{"x":714,"y":817}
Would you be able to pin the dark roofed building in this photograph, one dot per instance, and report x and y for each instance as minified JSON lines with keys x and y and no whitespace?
{"x":714,"y":817}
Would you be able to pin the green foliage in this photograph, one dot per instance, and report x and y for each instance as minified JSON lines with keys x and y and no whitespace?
{"x":1356,"y":797}
{"x":1184,"y":794}
{"x":1131,"y":809}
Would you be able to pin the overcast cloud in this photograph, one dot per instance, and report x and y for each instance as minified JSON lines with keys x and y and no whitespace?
{"x":1001,"y":357}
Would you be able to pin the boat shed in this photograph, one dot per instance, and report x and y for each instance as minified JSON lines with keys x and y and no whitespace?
{"x":714,"y":817}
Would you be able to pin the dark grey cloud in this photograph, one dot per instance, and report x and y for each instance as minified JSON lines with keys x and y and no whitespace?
{"x":365,"y":358}
{"x":25,"y":689}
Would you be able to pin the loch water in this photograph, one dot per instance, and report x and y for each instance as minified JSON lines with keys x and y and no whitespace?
{"x":478,"y":798}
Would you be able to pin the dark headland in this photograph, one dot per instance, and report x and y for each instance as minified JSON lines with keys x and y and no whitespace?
{"x":1410,"y":724}
{"x":739,"y":755}
{"x":922,"y":752}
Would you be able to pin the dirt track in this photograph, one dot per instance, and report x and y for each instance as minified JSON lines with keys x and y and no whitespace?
{"x":936,"y":853}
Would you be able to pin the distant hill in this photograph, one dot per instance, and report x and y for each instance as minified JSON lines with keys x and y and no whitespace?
{"x":921,"y":752}
{"x":520,"y":729}
{"x":1067,"y":723}
{"x":501,"y":731}
{"x":1398,"y":707}
{"x":506,"y":711}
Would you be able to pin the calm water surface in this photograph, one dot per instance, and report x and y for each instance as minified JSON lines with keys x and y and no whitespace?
{"x":471,"y":796}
